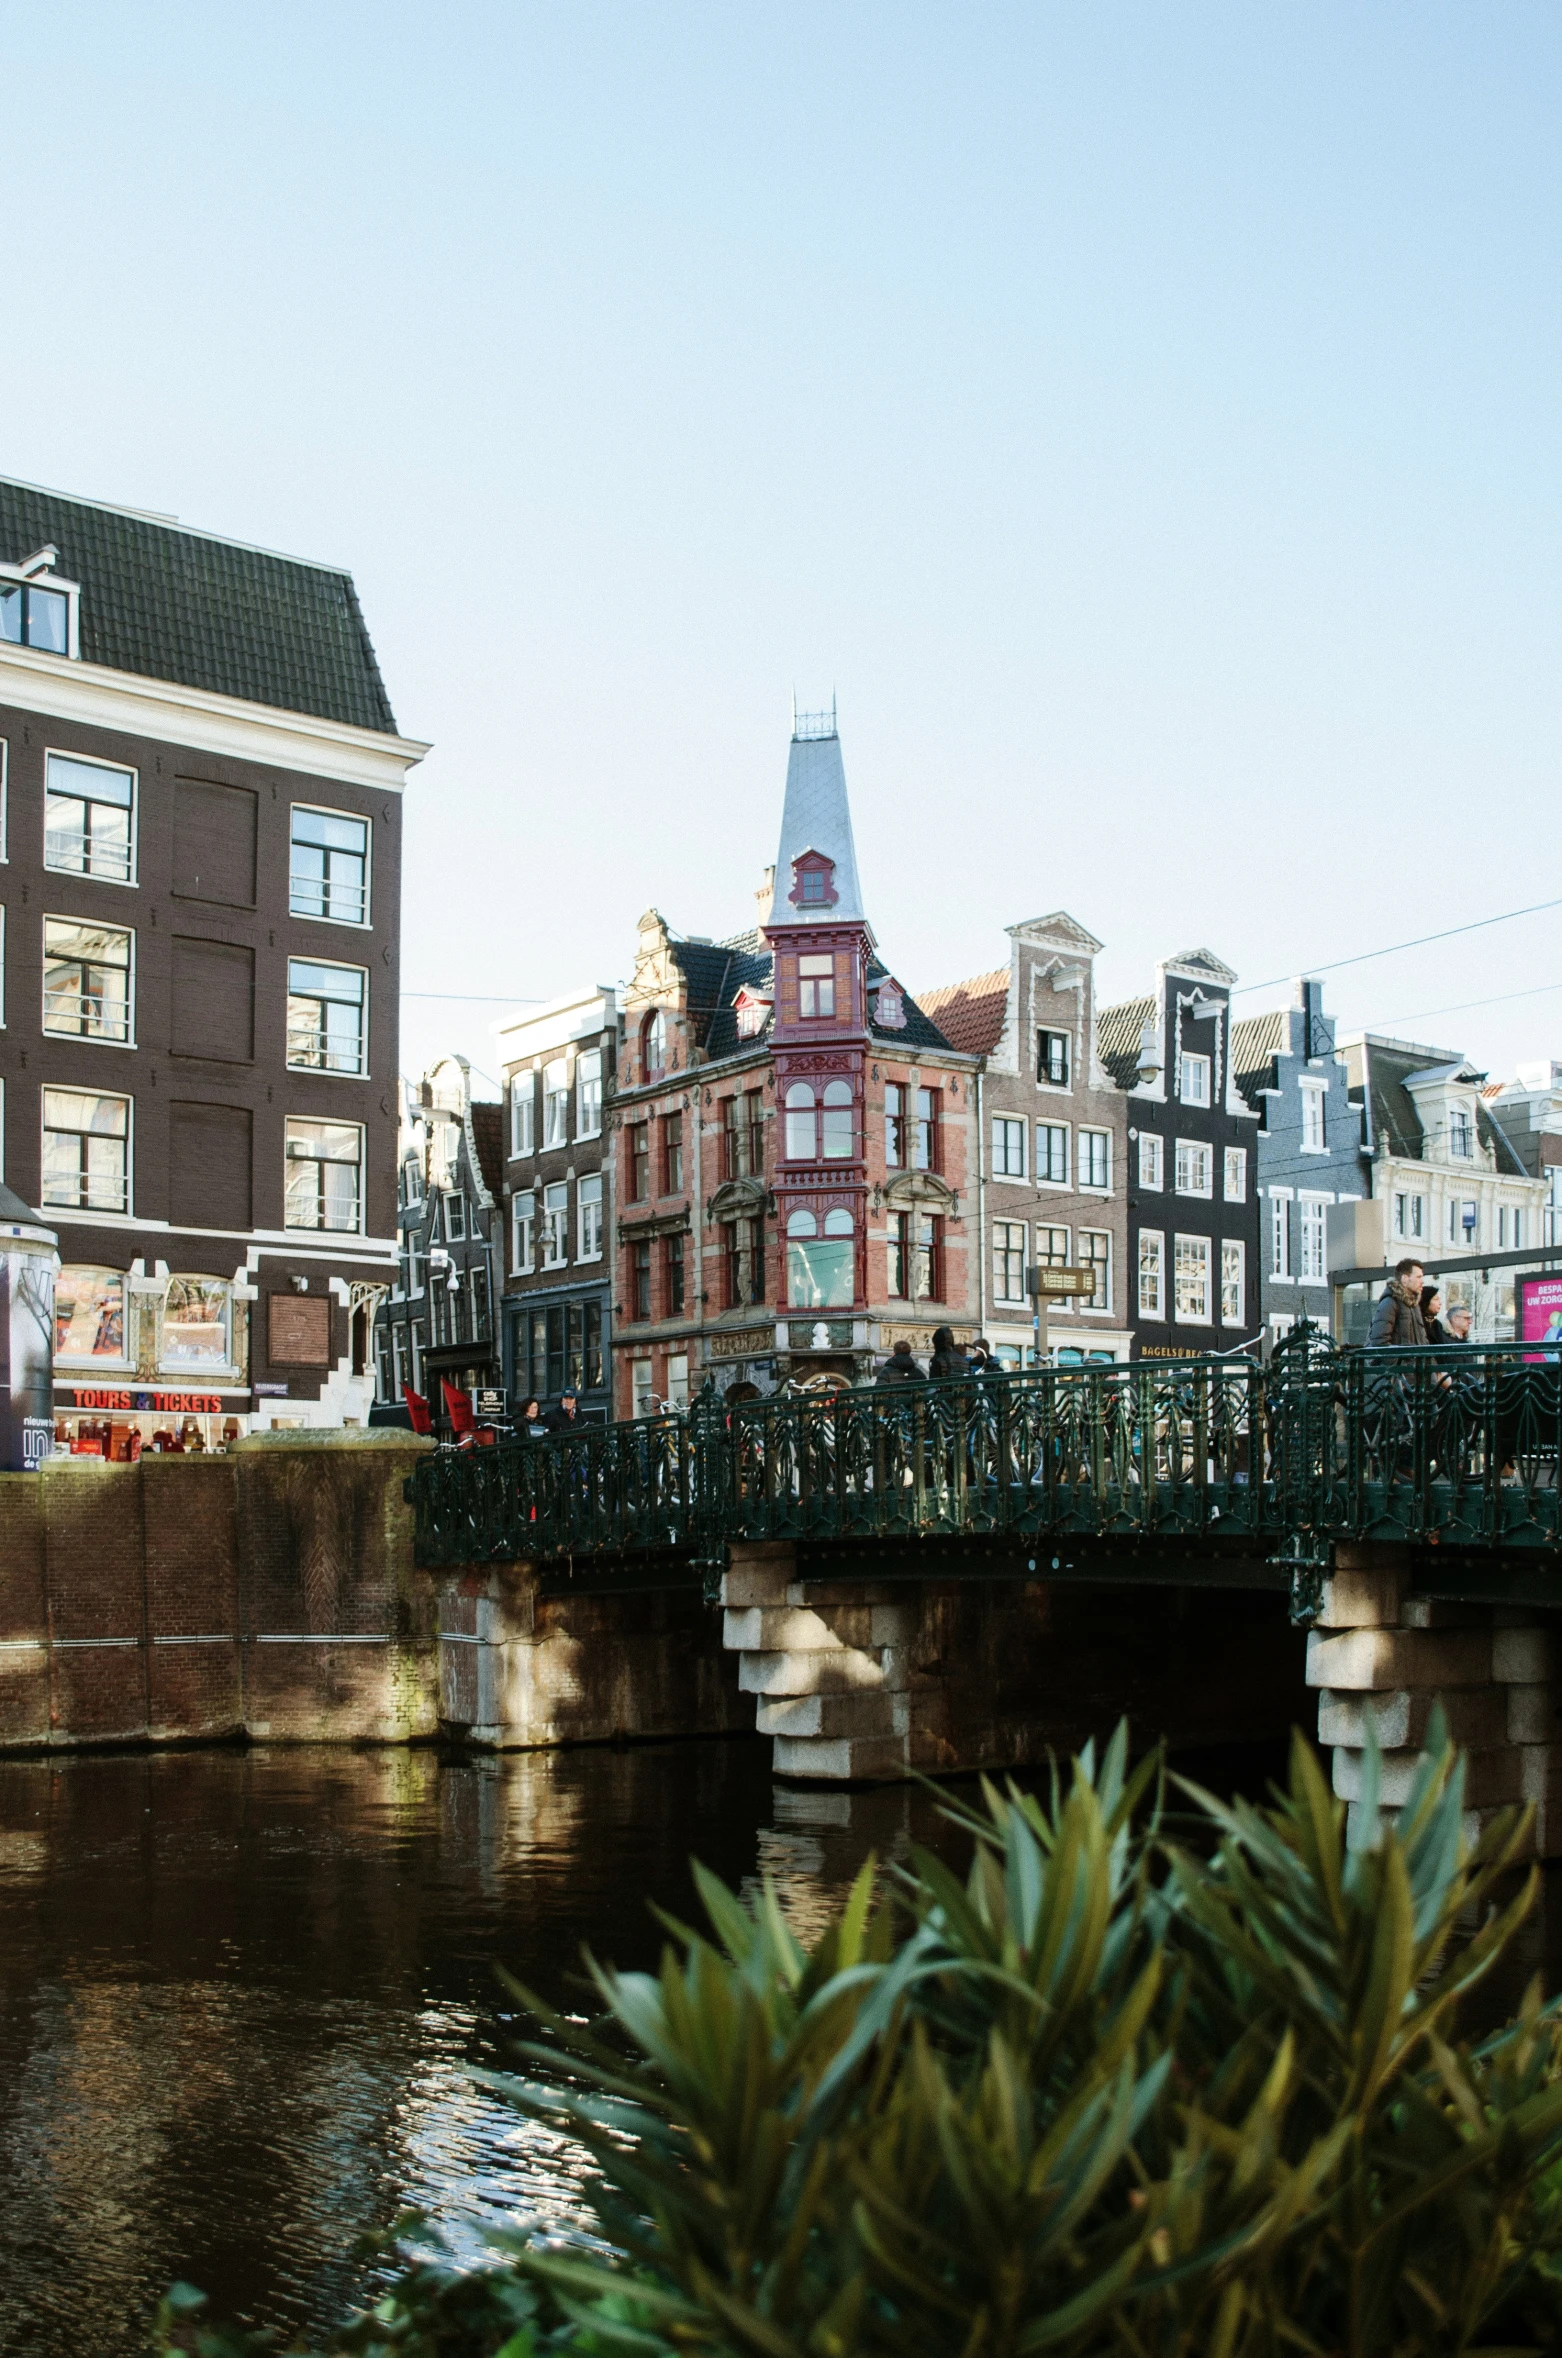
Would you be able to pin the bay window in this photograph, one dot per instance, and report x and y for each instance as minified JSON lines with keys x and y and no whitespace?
{"x":820,"y":1261}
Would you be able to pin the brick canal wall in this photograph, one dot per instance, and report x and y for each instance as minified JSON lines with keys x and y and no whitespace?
{"x":268,"y":1593}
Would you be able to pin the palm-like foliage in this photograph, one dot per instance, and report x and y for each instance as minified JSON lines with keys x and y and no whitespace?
{"x":1111,"y":2092}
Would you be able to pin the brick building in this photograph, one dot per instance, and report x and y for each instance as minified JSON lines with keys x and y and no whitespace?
{"x":792,"y":1137}
{"x":200,"y":788}
{"x":439,"y":1323}
{"x":1190,"y":1149}
{"x":1052,"y":1134}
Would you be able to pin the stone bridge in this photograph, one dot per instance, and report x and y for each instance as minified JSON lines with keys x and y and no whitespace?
{"x":948,"y":1576}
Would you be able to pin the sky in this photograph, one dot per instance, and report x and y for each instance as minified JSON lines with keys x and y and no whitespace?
{"x":1142,"y":420}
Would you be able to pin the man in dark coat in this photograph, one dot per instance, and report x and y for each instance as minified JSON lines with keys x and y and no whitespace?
{"x":948,"y":1360}
{"x":1397,"y":1318}
{"x":563,"y":1419}
{"x":900,"y":1367}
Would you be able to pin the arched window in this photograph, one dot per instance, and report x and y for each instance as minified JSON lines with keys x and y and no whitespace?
{"x":820,"y":1271}
{"x":197,"y":1323}
{"x":653,"y":1046}
{"x":837,"y":1121}
{"x":801,"y":1124}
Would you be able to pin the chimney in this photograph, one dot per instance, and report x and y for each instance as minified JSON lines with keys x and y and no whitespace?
{"x":766,"y":892}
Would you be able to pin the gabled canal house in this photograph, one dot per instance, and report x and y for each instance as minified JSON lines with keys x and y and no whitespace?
{"x":200,"y":830}
{"x":439,"y":1324}
{"x":1191,"y":1150}
{"x":793,"y":1138}
{"x":1052,"y":1133}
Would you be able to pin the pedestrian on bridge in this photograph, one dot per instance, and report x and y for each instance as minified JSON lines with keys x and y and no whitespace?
{"x":563,"y":1419}
{"x":900,"y":1367}
{"x":948,"y":1361}
{"x":1398,"y":1318}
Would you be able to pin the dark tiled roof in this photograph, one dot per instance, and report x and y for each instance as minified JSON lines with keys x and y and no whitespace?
{"x":1393,"y":1120}
{"x":1255,"y":1043}
{"x":488,"y":1132}
{"x":717,"y":971}
{"x":1117,"y":1038}
{"x":970,"y":1014}
{"x":174,"y":605}
{"x":918,"y":1031}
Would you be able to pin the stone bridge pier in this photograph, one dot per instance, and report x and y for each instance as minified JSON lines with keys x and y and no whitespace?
{"x":1382,"y":1656}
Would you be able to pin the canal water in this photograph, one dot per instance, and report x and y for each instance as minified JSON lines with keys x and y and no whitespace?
{"x":240,"y":1993}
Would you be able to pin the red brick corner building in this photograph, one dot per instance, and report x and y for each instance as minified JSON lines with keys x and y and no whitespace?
{"x":792,"y":1137}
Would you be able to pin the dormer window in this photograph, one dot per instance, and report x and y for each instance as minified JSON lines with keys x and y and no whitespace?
{"x":752,"y":1013}
{"x":813,"y":882}
{"x":1459,"y":1134}
{"x":37,"y":606}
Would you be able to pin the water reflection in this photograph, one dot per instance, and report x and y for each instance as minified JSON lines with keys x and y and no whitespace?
{"x":239,"y":1993}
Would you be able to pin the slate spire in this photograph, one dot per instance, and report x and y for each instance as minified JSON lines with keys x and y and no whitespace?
{"x":816,"y":833}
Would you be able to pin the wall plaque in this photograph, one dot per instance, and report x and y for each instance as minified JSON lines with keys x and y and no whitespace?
{"x":299,"y":1333}
{"x":750,"y":1342}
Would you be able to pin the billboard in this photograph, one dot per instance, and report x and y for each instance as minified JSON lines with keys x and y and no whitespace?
{"x":1540,"y":1311}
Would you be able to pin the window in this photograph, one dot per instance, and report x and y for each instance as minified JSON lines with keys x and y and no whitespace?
{"x":523,"y":1113}
{"x":555,"y":1103}
{"x":674,"y":1251}
{"x":1009,"y":1260}
{"x":1052,"y":1059}
{"x":1459,"y":1133}
{"x":1233,"y":1280}
{"x":1095,"y":1159}
{"x":1314,"y":1100}
{"x":477,"y":1286}
{"x":929,"y":1146}
{"x":324,"y":1161}
{"x":1551,"y":1209}
{"x":1152,"y":1273}
{"x":89,"y":1315}
{"x":1152,"y":1161}
{"x":816,"y":986}
{"x":197,"y":1323}
{"x":838,"y":1127}
{"x":31,"y":616}
{"x":1236,"y":1174}
{"x":895,"y":1126}
{"x":678,"y":1380}
{"x":1464,"y":1219}
{"x":742,"y":1137}
{"x":672,"y":1154}
{"x":1195,"y":1168}
{"x":325,"y":1017}
{"x":588,"y":1094}
{"x":745,"y":1263}
{"x":1052,"y":1153}
{"x":1314,"y":1224}
{"x":640,"y":1278}
{"x":640,"y":1163}
{"x":86,"y":980}
{"x":89,"y":826}
{"x":1279,"y":1237}
{"x":588,"y":1218}
{"x":1008,"y":1148}
{"x":1095,"y":1254}
{"x":1409,"y":1215}
{"x":820,"y":1261}
{"x":653,"y":1046}
{"x":1195,"y":1080}
{"x":555,"y":1225}
{"x":916,"y":1257}
{"x":86,"y":1150}
{"x":523,"y":1231}
{"x":455,"y":1217}
{"x":329,"y":874}
{"x":1052,"y":1251}
{"x":1510,"y":1227}
{"x":1192,"y":1269}
{"x":801,"y":1129}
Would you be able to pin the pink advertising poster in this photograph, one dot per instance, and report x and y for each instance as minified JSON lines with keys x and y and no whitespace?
{"x":1540,"y":1310}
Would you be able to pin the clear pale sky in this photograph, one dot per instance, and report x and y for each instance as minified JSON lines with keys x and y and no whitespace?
{"x":1143,"y":418}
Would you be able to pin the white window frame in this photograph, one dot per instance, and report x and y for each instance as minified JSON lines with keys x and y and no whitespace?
{"x":1313,"y":1239}
{"x":1152,"y":1273}
{"x":1202,"y":1249}
{"x":121,"y":769}
{"x":1280,"y":1235}
{"x":523,"y":1231}
{"x":1043,"y":1176}
{"x":1190,"y":1147}
{"x":92,"y":1211}
{"x":311,"y":1121}
{"x":1233,"y":1272}
{"x":330,"y":1071}
{"x":1086,"y":1186}
{"x":1193,"y":1063}
{"x":588,"y":1066}
{"x":363,"y":924}
{"x":37,"y":572}
{"x":1152,"y":1161}
{"x":555,"y":1224}
{"x":1463,"y":1152}
{"x":523,"y":1114}
{"x":586,"y":1202}
{"x":1010,"y":1128}
{"x":1314,"y":1105}
{"x":1234,"y":1165}
{"x":558,"y":1097}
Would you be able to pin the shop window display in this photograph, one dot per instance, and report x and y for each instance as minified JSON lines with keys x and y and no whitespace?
{"x":197,"y":1323}
{"x":89,"y":1316}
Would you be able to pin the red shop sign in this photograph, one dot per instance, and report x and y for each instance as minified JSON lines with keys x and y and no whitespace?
{"x":159,"y":1403}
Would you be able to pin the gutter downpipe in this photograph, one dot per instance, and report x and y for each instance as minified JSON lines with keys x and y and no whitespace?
{"x":981,"y":1211}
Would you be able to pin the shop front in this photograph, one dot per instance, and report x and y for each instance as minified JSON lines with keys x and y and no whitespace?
{"x":149,"y":1362}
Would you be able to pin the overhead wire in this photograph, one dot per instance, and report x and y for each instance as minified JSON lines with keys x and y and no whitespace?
{"x":1391,"y":949}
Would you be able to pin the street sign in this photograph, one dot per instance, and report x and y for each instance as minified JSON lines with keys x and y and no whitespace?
{"x":1042,"y":1281}
{"x":489,"y":1400}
